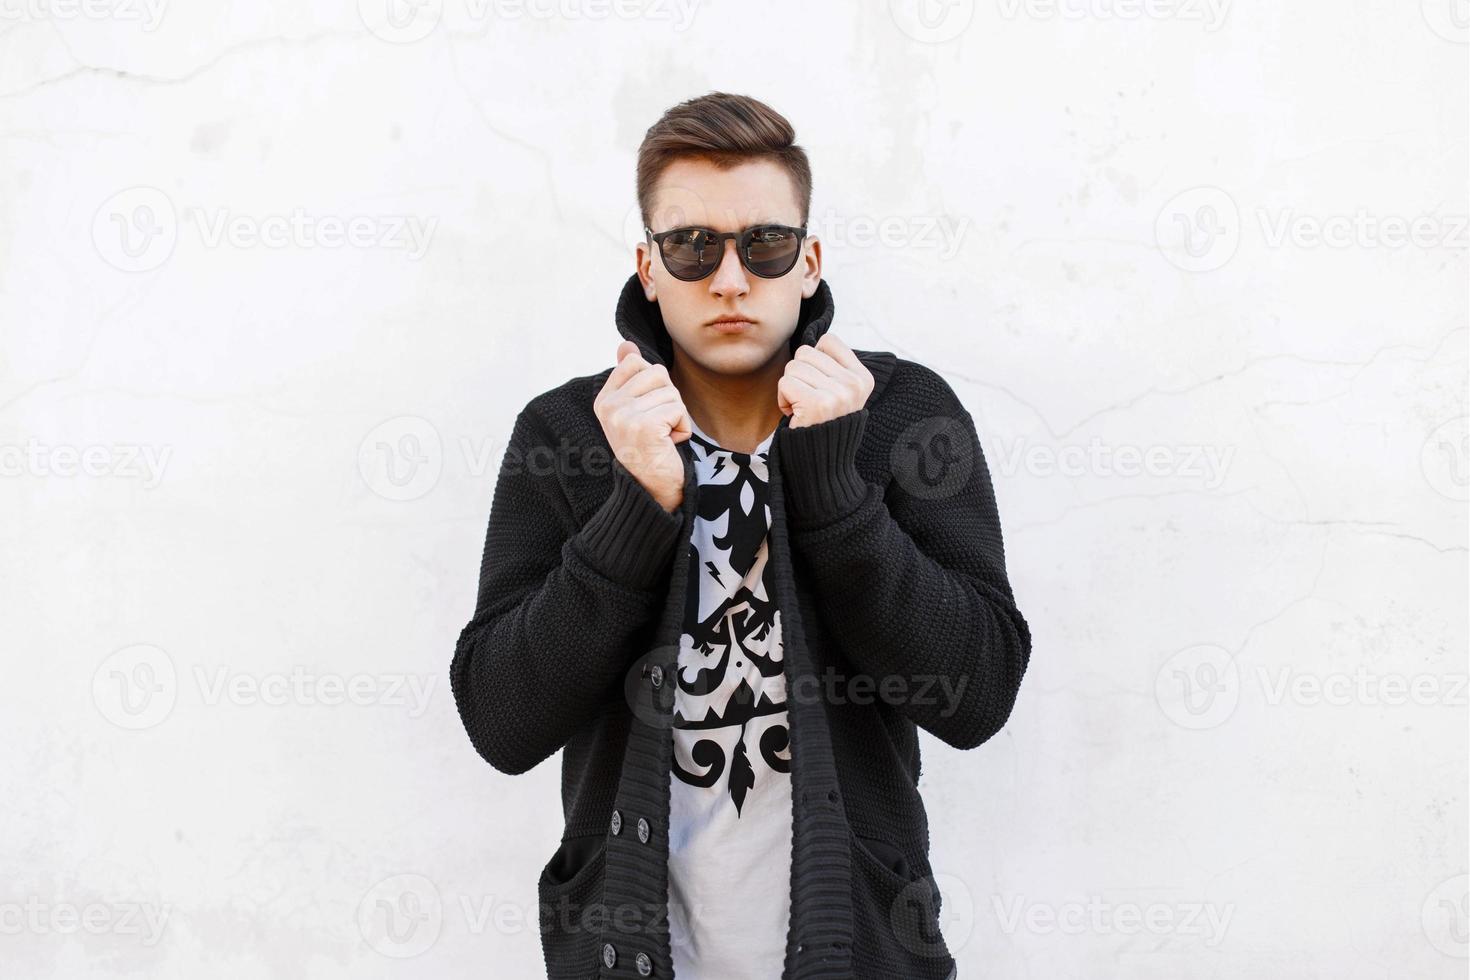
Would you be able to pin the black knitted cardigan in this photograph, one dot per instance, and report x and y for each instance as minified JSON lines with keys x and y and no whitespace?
{"x":897,"y":614}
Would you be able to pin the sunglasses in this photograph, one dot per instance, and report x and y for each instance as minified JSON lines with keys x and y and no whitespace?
{"x":691,"y":254}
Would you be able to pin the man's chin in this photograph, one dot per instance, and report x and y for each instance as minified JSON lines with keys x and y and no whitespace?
{"x":734,"y":363}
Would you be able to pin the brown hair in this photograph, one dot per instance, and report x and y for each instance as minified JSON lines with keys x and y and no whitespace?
{"x":726,"y":130}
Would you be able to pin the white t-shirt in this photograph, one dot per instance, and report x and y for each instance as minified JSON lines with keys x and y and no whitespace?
{"x":730,"y":789}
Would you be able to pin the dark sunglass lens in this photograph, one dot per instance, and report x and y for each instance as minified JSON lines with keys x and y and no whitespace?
{"x":690,"y":254}
{"x":772,"y":251}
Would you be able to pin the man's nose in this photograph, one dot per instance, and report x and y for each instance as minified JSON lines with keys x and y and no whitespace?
{"x":729,"y":277}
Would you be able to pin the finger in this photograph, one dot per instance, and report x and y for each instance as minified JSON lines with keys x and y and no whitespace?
{"x":821,"y":360}
{"x":798,"y":388}
{"x":674,"y":415}
{"x":840,"y":352}
{"x":652,"y":376}
{"x":658,"y":396}
{"x":627,"y":367}
{"x":653,"y":403}
{"x":792,"y":391}
{"x":683,"y":428}
{"x":812,"y":376}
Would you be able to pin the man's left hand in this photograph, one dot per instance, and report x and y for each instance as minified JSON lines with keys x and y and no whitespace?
{"x":822,"y":383}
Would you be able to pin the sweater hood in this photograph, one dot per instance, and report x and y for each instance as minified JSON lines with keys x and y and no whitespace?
{"x":642,"y":322}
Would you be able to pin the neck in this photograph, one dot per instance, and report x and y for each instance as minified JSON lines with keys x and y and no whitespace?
{"x":736,"y":411}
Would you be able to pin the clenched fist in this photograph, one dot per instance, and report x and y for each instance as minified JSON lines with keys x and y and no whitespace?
{"x":823,"y":382}
{"x":643,"y":418}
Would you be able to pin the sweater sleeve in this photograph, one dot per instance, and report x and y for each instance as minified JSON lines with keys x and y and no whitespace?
{"x":914,"y":587}
{"x":556,"y":611}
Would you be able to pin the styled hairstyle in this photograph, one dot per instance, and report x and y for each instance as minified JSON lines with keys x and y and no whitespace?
{"x":726,"y":130}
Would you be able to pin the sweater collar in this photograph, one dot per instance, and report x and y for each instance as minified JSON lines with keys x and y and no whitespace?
{"x":641,"y":321}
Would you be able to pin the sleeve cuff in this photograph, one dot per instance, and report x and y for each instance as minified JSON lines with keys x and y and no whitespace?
{"x":818,"y":466}
{"x":630,"y":537}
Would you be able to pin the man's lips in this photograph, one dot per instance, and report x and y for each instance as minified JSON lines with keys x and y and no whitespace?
{"x":731,"y":325}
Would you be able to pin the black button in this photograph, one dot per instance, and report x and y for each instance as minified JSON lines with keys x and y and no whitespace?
{"x":645,"y":965}
{"x":656,"y":675}
{"x":609,"y":956}
{"x":643,"y":830}
{"x":617,"y":823}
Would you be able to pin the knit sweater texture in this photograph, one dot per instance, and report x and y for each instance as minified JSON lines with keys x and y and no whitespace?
{"x":897,"y":615}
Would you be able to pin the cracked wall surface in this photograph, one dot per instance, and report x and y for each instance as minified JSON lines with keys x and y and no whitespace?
{"x":275,"y":280}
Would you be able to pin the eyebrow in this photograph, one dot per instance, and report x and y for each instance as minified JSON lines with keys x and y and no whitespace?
{"x":753,"y":224}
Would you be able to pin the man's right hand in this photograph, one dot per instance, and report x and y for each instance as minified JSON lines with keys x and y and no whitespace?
{"x":643,"y":418}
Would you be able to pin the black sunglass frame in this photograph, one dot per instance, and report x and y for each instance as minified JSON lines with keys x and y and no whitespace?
{"x":742,"y":239}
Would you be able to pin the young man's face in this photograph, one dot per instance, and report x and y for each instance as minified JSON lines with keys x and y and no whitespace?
{"x":693,"y":191}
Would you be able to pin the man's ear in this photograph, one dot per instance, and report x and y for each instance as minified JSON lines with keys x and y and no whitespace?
{"x":644,"y":259}
{"x":811,"y":276}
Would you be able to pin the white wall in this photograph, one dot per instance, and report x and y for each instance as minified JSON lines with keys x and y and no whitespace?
{"x":1174,"y":796}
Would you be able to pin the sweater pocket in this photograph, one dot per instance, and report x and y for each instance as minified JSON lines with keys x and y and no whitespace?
{"x":569,"y":893}
{"x":895,"y":916}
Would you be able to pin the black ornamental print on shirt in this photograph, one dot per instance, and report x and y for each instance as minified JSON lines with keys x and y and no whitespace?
{"x":730,"y":722}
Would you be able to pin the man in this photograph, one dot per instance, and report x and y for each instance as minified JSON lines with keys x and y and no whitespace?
{"x":731,"y":577}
